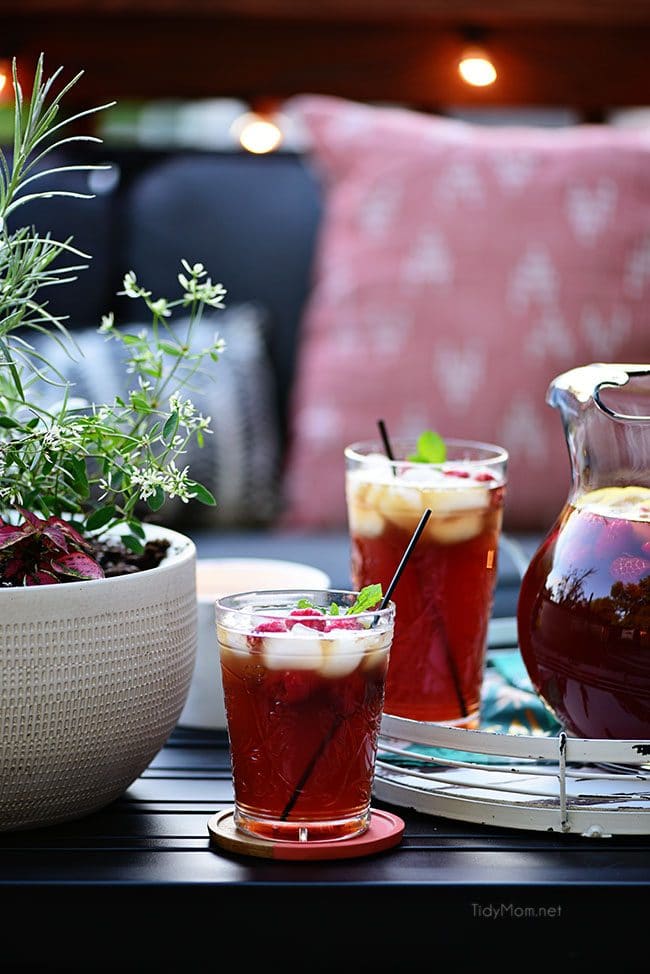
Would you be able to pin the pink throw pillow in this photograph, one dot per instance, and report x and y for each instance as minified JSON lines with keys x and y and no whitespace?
{"x":459,"y":269}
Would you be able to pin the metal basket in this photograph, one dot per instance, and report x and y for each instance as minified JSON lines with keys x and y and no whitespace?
{"x":593,"y":788}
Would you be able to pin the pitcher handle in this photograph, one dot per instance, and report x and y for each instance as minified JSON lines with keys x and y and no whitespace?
{"x":616,"y":383}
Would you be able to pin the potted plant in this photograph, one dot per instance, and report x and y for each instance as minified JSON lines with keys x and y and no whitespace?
{"x":97,"y":605}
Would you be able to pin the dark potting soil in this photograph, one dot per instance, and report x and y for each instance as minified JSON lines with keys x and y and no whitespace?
{"x":117,"y":559}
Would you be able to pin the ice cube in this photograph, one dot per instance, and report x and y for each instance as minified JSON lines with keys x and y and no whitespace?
{"x":422,"y":476}
{"x":377,"y":471}
{"x":453,"y":530}
{"x":233,"y":638}
{"x":402,"y":505}
{"x":365,"y":523}
{"x":300,"y":649}
{"x":343,"y":650}
{"x":456,"y":498}
{"x":377,"y":463}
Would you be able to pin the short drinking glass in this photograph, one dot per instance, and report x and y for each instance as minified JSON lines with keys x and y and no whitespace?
{"x":304,"y":693}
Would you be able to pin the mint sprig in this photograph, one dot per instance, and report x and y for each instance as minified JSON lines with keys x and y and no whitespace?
{"x":430,"y":448}
{"x":367,"y":599}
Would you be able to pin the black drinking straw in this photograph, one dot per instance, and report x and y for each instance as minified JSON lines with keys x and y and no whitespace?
{"x":384,"y":436}
{"x":338,"y":719}
{"x":387,"y":447}
{"x":450,"y":660}
{"x":405,"y":557}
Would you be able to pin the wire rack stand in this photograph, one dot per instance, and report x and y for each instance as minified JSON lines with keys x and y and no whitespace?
{"x":593,"y":788}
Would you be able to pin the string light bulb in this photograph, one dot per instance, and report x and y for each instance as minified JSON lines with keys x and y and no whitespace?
{"x":476,"y":68}
{"x":257,"y":133}
{"x":5,"y":76}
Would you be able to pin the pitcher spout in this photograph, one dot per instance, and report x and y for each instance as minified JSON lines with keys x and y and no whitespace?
{"x":605,"y":412}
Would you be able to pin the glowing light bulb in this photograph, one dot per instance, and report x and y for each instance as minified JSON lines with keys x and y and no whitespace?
{"x":476,"y":68}
{"x":257,"y":134}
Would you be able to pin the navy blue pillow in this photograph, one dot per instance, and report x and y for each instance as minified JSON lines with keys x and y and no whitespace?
{"x":251,"y":220}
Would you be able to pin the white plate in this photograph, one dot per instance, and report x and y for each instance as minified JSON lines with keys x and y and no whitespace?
{"x":216,"y":577}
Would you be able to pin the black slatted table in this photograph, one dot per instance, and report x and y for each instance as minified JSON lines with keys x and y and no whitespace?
{"x":137,"y":886}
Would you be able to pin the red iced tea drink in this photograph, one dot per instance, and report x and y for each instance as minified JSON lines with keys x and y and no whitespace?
{"x":584,"y":615}
{"x":445,"y":594}
{"x":304,"y":692}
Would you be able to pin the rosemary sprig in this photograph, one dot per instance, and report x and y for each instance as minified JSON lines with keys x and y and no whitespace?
{"x":27,"y":258}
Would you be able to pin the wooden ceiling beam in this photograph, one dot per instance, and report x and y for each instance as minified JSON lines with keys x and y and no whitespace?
{"x":181,"y":57}
{"x":496,"y":12}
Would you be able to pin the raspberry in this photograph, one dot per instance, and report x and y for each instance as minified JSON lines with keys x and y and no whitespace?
{"x":273,"y":625}
{"x":308,"y":617}
{"x":629,"y":568}
{"x":342,"y":623}
{"x":483,"y":478}
{"x":457,"y":473}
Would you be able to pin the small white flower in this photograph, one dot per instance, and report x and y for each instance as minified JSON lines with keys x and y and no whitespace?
{"x":131,"y":287}
{"x":11,"y":496}
{"x":218,"y":345}
{"x":160,"y":308}
{"x":148,"y":480}
{"x":197,"y":270}
{"x":108,"y":322}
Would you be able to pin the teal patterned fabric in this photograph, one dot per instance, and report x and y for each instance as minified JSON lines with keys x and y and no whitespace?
{"x":509,"y":705}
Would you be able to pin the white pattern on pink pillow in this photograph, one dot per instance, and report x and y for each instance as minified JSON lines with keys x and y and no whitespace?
{"x":459,"y":269}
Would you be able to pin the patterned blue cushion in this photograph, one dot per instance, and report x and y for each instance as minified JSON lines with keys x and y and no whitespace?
{"x":240,"y":462}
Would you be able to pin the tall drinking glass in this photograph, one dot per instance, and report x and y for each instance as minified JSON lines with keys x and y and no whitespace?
{"x":445,"y":595}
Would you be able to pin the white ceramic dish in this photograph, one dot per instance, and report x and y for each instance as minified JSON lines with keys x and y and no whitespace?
{"x":225,"y":576}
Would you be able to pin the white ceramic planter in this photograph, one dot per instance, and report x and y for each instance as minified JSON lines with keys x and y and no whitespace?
{"x":93,"y":678}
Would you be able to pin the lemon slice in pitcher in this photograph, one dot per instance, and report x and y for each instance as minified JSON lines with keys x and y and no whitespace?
{"x":631,"y":502}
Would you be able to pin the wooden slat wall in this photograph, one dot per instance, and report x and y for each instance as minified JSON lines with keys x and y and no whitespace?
{"x":586,"y":54}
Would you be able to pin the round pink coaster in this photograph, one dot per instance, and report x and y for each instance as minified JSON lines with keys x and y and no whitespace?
{"x":385,"y":830}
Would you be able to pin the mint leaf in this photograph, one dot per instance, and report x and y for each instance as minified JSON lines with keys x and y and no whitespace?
{"x":333,"y":610}
{"x":431,"y":448}
{"x":367,"y":598}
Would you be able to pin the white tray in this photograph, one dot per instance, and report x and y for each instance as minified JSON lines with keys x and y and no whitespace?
{"x":593,"y":788}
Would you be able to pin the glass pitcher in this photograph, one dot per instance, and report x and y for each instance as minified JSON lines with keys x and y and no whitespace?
{"x":583,"y":615}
